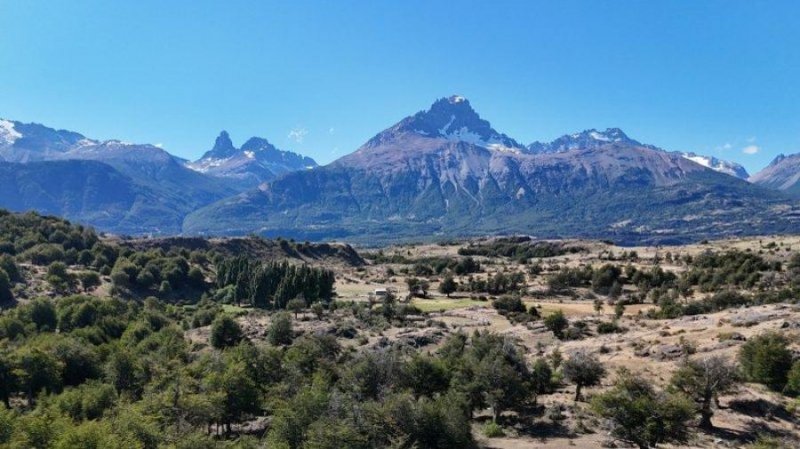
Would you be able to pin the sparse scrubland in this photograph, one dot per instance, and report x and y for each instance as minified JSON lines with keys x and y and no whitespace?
{"x":108,"y":342}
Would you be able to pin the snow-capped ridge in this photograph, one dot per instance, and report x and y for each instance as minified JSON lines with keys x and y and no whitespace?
{"x":256,"y":161}
{"x":718,"y":165}
{"x":451,"y":118}
{"x":8,"y":134}
{"x":587,"y":139}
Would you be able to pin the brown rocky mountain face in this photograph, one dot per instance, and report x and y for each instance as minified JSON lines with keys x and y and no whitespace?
{"x":446,"y":172}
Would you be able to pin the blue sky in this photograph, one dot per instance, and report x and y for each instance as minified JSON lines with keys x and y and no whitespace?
{"x":318,"y":77}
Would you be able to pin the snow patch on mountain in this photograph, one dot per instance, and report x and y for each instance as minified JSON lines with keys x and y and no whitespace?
{"x":588,"y":139}
{"x":254,"y":162}
{"x":719,"y":165}
{"x":453,"y":119}
{"x":203,"y":166}
{"x":443,"y":131}
{"x":8,"y":135}
{"x":464,"y":134}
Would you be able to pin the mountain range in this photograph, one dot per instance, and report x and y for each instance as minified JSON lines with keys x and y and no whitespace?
{"x":123,"y":187}
{"x":257,"y":161}
{"x":442,"y":172}
{"x":593,"y":139}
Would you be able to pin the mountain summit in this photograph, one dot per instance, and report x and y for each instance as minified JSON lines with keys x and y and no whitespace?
{"x":589,"y":139}
{"x":452,"y":119}
{"x":223,"y":147}
{"x":446,"y":172}
{"x":119,"y":186}
{"x":783,"y":174}
{"x":441,"y":172}
{"x":255,"y":162}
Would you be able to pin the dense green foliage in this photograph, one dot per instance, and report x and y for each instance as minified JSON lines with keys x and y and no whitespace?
{"x":121,"y":374}
{"x":643,"y":416}
{"x":497,"y":284}
{"x":225,"y":332}
{"x":273,"y":284}
{"x":793,"y":380}
{"x":426,"y":266}
{"x":108,"y":346}
{"x":704,"y":380}
{"x":518,"y":248}
{"x":556,"y":322}
{"x":711,"y":270}
{"x":584,"y":370}
{"x":767,"y":359}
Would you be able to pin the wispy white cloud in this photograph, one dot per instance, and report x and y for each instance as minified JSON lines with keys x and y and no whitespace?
{"x":159,"y":145}
{"x":297,"y":134}
{"x":748,"y":145}
{"x":751,"y":149}
{"x":331,"y":130}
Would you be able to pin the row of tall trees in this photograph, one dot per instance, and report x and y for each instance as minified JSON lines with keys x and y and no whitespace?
{"x":272,"y":285}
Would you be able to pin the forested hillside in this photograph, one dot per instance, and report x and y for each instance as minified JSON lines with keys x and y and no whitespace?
{"x":167,"y":344}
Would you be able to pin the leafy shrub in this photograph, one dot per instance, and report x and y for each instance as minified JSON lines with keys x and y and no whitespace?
{"x":88,"y":401}
{"x":557,"y":323}
{"x":44,"y":254}
{"x":604,"y":278}
{"x":766,"y":359}
{"x":280,"y":330}
{"x":492,"y":430}
{"x":9,"y":265}
{"x":793,"y":380}
{"x":89,"y":280}
{"x":607,"y":327}
{"x":42,"y":313}
{"x":567,"y":278}
{"x":643,"y":416}
{"x":5,"y":287}
{"x":225,"y":332}
{"x":509,"y":304}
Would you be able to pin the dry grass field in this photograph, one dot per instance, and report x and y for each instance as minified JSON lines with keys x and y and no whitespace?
{"x":650,"y":347}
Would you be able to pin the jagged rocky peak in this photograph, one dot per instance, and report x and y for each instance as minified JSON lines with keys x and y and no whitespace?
{"x":255,"y":144}
{"x":446,"y":116}
{"x":451,"y":118}
{"x":778,"y":159}
{"x":256,"y":161}
{"x":223,"y":147}
{"x":610,"y":134}
{"x":783,"y":173}
{"x":588,"y":139}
